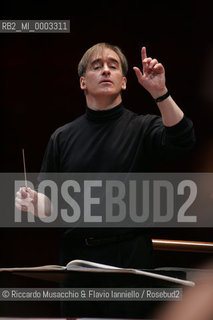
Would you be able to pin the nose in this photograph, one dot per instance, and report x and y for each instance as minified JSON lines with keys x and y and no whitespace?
{"x":106,"y":69}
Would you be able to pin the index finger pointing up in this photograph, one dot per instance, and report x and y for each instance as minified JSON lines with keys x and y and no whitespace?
{"x":143,"y":53}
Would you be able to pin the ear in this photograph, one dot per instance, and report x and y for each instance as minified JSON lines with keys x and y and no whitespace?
{"x":124,"y":81}
{"x":82,"y":83}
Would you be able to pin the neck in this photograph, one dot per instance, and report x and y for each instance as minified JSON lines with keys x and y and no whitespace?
{"x":103,"y":103}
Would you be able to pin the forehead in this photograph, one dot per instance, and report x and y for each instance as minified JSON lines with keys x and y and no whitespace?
{"x":104,"y":54}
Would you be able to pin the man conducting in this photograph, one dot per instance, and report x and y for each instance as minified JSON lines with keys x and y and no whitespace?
{"x":110,"y":138}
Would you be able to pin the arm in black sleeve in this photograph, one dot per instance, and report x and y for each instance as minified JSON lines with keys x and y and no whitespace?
{"x":50,"y":161}
{"x":166,"y":142}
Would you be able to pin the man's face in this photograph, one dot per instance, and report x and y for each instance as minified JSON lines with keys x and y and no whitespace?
{"x":103,"y":75}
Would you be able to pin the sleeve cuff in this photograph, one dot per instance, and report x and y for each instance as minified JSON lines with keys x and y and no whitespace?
{"x":180,"y":126}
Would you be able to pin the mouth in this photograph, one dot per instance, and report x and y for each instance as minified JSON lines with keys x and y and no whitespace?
{"x":106,"y":81}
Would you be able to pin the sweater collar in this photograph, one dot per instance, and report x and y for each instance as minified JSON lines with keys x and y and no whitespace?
{"x":104,"y":115}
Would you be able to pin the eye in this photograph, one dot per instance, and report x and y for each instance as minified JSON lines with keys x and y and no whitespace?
{"x":96,"y":67}
{"x":113,"y":67}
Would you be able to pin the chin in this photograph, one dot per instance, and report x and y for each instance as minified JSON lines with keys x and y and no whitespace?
{"x":108,"y":91}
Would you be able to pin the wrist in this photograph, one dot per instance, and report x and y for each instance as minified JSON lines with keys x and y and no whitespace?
{"x":162,"y":97}
{"x":158,"y":93}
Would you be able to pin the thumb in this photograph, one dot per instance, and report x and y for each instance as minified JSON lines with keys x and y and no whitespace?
{"x":138,"y":74}
{"x":33,"y":194}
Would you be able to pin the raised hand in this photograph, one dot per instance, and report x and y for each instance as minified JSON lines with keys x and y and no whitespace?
{"x":152,"y":78}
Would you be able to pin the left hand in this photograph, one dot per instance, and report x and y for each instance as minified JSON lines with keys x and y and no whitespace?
{"x":153,"y":76}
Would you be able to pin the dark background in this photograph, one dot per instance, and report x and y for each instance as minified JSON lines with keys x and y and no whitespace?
{"x":40,"y":92}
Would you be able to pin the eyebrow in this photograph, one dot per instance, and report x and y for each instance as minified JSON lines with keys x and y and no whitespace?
{"x":100,"y":60}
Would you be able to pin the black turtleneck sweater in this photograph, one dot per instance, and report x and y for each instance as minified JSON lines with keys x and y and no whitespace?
{"x":115,"y":140}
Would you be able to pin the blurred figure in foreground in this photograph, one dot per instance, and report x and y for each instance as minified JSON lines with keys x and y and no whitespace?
{"x":197,"y":302}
